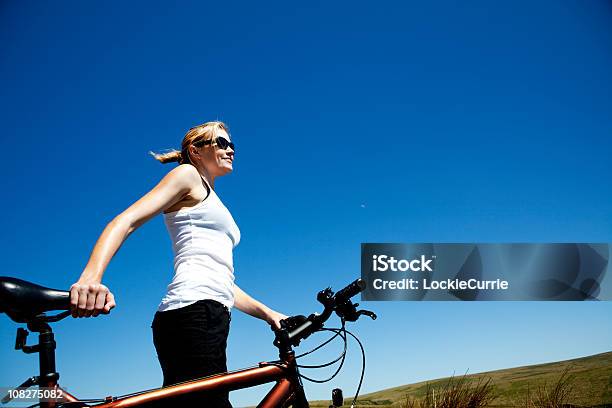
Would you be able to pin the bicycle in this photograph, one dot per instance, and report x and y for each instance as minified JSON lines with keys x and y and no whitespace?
{"x":26,"y":302}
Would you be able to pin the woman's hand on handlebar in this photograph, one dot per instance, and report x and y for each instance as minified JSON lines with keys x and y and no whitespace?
{"x":90,"y":298}
{"x":273,"y":318}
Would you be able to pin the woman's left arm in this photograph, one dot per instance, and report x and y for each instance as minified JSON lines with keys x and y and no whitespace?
{"x":248,"y":305}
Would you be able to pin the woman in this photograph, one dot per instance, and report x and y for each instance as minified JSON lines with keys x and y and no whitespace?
{"x":191,"y":324}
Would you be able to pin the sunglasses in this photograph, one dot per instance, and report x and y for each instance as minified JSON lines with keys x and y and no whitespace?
{"x":220,"y":141}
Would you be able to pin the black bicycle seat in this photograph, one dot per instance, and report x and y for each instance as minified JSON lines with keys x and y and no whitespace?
{"x":22,"y":300}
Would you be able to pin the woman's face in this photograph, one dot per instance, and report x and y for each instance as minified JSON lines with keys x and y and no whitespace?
{"x":216,"y":161}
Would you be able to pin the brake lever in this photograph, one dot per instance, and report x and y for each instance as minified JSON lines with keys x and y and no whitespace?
{"x":368,"y":313}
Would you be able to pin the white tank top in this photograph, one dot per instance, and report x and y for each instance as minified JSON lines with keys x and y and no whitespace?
{"x":203,"y":238}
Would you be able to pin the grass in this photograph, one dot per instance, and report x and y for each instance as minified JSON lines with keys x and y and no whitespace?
{"x":461,"y":393}
{"x":582,"y":382}
{"x":556,"y":396}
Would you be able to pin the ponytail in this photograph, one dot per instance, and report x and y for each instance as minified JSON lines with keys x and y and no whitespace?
{"x":169,"y":157}
{"x":205,"y":131}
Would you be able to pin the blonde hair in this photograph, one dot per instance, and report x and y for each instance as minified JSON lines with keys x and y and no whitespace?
{"x":197,"y":134}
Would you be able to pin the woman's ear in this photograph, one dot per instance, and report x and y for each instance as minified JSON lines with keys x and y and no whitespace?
{"x":193,"y":151}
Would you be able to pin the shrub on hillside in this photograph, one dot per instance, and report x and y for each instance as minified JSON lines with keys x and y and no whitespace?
{"x":455,"y":393}
{"x":555,"y":396}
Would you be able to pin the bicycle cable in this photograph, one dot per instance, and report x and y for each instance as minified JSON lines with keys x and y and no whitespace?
{"x":363,"y":363}
{"x":341,"y":358}
{"x":78,"y":403}
{"x":326,"y":364}
{"x":320,"y":345}
{"x":342,"y":333}
{"x":338,"y":333}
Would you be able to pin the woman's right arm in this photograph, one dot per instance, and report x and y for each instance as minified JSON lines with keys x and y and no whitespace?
{"x":88,"y":296}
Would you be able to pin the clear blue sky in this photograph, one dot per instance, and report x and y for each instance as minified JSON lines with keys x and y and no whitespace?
{"x":354,"y":122}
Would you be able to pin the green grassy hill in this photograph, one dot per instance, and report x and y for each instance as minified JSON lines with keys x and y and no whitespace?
{"x":591,"y":380}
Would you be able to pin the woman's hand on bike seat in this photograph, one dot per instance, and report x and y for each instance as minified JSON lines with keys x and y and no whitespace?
{"x":90,"y":298}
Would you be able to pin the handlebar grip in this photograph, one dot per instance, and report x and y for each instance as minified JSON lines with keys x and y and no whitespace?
{"x":351,"y":290}
{"x":299,"y":330}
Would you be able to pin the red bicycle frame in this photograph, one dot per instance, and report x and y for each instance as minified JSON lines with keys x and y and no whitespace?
{"x":287,"y":390}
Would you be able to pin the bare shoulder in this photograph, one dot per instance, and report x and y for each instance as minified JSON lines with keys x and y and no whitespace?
{"x":185,"y":175}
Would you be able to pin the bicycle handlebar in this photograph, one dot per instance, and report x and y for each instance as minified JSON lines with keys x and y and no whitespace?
{"x":297,"y":328}
{"x":351,"y":290}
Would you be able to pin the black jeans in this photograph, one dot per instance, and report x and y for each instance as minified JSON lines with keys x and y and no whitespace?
{"x":190,"y":343}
